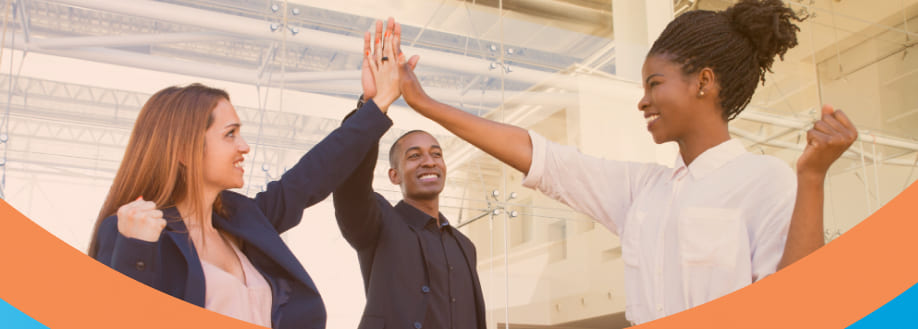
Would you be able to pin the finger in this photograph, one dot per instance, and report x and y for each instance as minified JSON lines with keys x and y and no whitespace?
{"x":366,"y":44}
{"x":156,"y":213}
{"x":832,"y":122}
{"x":827,"y":114}
{"x":159,"y":221}
{"x":378,"y":38}
{"x":816,"y":139}
{"x":144,"y":205}
{"x":824,"y":127}
{"x":827,"y":110}
{"x":372,"y":63}
{"x":388,"y":32}
{"x":398,"y":38}
{"x":390,"y":26}
{"x":389,"y":50}
{"x":843,"y":119}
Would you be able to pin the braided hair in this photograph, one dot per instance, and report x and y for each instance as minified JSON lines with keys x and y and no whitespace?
{"x":739,"y":44}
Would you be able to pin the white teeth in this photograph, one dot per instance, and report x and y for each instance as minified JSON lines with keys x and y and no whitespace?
{"x":652,"y":117}
{"x":237,"y":164}
{"x":428,"y":176}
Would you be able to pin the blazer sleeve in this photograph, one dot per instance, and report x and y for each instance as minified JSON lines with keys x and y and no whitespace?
{"x":132,"y":257}
{"x":323,"y":168}
{"x":357,"y":209}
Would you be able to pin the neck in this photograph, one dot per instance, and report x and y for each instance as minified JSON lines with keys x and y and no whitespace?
{"x":192,"y":222}
{"x":706,"y":137}
{"x":430,"y":207}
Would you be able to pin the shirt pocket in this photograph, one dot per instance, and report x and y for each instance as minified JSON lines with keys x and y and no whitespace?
{"x":709,"y":236}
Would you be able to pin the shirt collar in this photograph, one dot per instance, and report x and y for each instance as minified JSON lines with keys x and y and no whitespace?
{"x":415,"y":217}
{"x":710,"y":159}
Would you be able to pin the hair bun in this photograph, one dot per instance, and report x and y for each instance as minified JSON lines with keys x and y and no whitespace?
{"x":767,"y":25}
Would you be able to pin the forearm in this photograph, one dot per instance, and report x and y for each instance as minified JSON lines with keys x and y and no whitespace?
{"x":321,"y":170}
{"x":507,"y":143}
{"x":356,"y":210}
{"x":806,"y":227}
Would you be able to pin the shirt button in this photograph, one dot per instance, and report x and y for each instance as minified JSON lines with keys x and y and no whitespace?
{"x":425,"y":289}
{"x":140,"y":265}
{"x":417,"y":325}
{"x":451,"y":268}
{"x":453,"y":299}
{"x":659,"y":308}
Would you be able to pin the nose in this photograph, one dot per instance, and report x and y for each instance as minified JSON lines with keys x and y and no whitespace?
{"x":644,"y":103}
{"x":428,"y":161}
{"x":243,"y":146}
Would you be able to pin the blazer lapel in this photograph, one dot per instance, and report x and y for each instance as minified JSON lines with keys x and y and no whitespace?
{"x":178,"y":233}
{"x":260,"y":235}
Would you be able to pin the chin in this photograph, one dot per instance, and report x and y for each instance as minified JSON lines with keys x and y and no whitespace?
{"x":426,"y":195}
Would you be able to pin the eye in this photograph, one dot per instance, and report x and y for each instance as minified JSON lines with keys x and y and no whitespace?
{"x":437,"y":154}
{"x":653,"y":84}
{"x":414,"y":155}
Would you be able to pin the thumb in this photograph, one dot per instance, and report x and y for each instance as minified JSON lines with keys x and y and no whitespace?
{"x":413,"y":61}
{"x":827,"y":110}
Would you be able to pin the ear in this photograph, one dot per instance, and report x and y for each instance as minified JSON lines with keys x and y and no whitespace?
{"x":393,"y":177}
{"x":707,"y":82}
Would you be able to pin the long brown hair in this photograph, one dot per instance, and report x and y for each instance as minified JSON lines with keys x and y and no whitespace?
{"x":164,"y":157}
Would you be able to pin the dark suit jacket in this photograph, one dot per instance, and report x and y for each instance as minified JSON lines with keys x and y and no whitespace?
{"x":172,"y":266}
{"x":391,"y":253}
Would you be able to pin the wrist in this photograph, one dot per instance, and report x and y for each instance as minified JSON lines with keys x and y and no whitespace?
{"x":811,"y":177}
{"x":382,"y":103}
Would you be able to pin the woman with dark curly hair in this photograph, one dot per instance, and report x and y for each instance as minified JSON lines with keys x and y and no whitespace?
{"x":719,"y":219}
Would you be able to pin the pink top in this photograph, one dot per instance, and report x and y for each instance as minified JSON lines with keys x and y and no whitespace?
{"x":248,"y":301}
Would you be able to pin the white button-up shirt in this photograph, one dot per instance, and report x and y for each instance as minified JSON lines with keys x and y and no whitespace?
{"x":689,"y":234}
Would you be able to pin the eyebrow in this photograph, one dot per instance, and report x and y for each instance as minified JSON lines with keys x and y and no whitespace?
{"x":647,"y":81}
{"x":232,"y":125}
{"x":418,"y":148}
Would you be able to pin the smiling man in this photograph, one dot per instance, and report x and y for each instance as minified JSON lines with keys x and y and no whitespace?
{"x":418,"y":270}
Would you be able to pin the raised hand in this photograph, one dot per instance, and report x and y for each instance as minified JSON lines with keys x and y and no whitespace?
{"x":826,"y":142}
{"x":383,"y":64}
{"x":141,"y":220}
{"x":367,"y":80}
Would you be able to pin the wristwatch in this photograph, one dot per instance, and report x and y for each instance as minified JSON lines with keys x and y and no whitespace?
{"x":360,"y":102}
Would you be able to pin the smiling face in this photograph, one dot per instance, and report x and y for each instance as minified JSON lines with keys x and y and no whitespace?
{"x":670,"y":99}
{"x":224,"y":148}
{"x":419,"y":167}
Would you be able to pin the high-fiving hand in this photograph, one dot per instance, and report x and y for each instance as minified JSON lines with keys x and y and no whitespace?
{"x":379,"y":76}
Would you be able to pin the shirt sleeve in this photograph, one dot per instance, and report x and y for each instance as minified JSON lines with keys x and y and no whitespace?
{"x":602,"y":189}
{"x":778,"y":198}
{"x":323,"y":168}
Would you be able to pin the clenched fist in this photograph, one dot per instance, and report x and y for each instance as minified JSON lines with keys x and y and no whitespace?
{"x":141,"y":220}
{"x":826,"y":142}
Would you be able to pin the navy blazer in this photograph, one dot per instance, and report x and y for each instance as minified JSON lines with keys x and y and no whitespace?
{"x":172,"y":266}
{"x":391,"y":252}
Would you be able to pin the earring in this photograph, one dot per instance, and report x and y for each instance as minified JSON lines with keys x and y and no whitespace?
{"x":701,"y":93}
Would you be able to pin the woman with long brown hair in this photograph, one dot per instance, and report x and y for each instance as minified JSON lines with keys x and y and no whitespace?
{"x":170,"y":222}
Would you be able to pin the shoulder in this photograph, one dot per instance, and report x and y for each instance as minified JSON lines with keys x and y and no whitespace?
{"x":769,"y":172}
{"x":234,"y":201}
{"x":230,"y":196}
